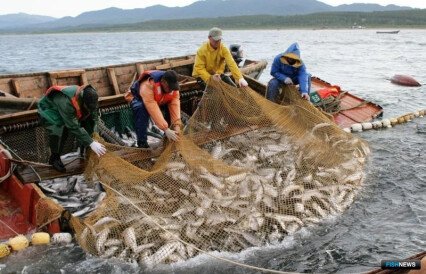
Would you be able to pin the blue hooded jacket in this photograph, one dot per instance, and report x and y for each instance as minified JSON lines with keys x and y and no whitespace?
{"x":281,"y":69}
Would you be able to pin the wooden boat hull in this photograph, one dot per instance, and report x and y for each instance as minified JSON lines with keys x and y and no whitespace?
{"x":22,"y":91}
{"x":404,"y":80}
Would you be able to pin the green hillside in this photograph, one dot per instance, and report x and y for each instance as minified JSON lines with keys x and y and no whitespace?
{"x":385,"y":19}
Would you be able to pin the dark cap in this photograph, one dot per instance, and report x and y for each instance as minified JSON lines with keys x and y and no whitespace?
{"x":90,"y":98}
{"x":171,"y":78}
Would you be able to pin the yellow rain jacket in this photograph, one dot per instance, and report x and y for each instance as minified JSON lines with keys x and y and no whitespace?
{"x":210,"y":61}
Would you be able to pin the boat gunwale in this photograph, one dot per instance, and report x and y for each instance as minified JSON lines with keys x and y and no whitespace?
{"x":144,"y":62}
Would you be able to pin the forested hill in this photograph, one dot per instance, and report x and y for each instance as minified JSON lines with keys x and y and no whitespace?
{"x":384,"y":19}
{"x":199,"y":9}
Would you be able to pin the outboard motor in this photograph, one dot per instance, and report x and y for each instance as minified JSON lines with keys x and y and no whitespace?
{"x":237,"y":53}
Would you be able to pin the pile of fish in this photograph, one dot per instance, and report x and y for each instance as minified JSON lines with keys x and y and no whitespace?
{"x":74,"y":194}
{"x":130,"y":139}
{"x":277,"y":192}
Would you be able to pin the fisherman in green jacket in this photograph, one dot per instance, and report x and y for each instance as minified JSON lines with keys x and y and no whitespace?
{"x":65,"y":109}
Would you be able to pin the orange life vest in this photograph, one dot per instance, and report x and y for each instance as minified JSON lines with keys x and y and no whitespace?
{"x":160,"y":97}
{"x":73,"y":99}
{"x":330,"y":91}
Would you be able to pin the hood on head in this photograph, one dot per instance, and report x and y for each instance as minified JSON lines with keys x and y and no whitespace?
{"x":292,"y":52}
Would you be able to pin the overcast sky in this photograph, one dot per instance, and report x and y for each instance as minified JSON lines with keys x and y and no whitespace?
{"x":61,"y":8}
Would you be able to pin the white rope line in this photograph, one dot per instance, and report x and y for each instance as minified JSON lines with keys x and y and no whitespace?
{"x":193,"y":246}
{"x":9,"y":227}
{"x":387,"y":122}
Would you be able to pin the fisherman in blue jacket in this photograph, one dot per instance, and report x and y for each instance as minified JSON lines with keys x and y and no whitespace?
{"x":288,"y":69}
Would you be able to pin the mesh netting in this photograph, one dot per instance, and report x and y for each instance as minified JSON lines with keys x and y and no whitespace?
{"x":246,"y":172}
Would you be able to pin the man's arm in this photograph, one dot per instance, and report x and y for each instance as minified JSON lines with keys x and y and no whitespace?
{"x":276,"y":69}
{"x":174,"y":110}
{"x":236,"y":73}
{"x":303,"y":77}
{"x":90,"y":124}
{"x":152,"y":106}
{"x":200,"y":66}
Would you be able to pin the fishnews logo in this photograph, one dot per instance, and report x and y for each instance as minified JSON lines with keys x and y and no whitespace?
{"x":405,"y":264}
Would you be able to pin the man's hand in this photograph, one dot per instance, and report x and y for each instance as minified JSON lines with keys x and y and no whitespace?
{"x":98,"y":148}
{"x":171,"y":135}
{"x":216,"y":77}
{"x":242,"y":83}
{"x":177,"y":130}
{"x":305,"y":96}
{"x":288,"y":81}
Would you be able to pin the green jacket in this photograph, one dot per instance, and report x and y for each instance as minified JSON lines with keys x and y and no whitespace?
{"x":56,"y":112}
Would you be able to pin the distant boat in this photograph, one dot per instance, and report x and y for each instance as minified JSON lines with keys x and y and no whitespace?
{"x":389,"y":32}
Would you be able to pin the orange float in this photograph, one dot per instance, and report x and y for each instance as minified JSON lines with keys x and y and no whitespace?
{"x":404,"y":80}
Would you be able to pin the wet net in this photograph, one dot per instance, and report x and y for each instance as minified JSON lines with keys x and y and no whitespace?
{"x":246,"y":172}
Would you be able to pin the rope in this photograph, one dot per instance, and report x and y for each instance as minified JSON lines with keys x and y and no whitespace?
{"x":109,"y":135}
{"x":332,"y":106}
{"x":9,"y":172}
{"x":49,"y":221}
{"x":9,"y":227}
{"x":30,"y":163}
{"x":386,"y":123}
{"x":10,"y":150}
{"x":193,"y":246}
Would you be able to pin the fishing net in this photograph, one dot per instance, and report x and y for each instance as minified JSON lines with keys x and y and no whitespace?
{"x":247,"y":172}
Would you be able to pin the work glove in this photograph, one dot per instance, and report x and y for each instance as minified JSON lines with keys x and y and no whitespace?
{"x":216,"y":77}
{"x":305,"y":96}
{"x":171,"y":134}
{"x":242,"y":82}
{"x":177,"y":129}
{"x":288,"y":81}
{"x":98,"y":148}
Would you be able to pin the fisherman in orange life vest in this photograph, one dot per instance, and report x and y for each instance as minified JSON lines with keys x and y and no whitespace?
{"x":289,"y":69}
{"x":153,"y":91}
{"x":71,"y":109}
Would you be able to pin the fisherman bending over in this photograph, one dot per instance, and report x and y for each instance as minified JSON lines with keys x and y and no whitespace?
{"x":65,"y":109}
{"x":151,"y":93}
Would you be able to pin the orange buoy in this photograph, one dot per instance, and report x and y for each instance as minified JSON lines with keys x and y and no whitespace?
{"x":405,"y":80}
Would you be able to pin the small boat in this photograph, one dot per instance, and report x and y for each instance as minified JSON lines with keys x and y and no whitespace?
{"x":388,"y":32}
{"x":346,"y":108}
{"x":404,"y":80}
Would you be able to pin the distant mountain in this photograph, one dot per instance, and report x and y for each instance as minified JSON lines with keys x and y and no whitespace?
{"x":368,"y":8}
{"x":202,"y":9}
{"x":22,"y":19}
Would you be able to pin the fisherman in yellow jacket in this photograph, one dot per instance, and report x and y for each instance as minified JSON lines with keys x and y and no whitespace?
{"x":211,"y":59}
